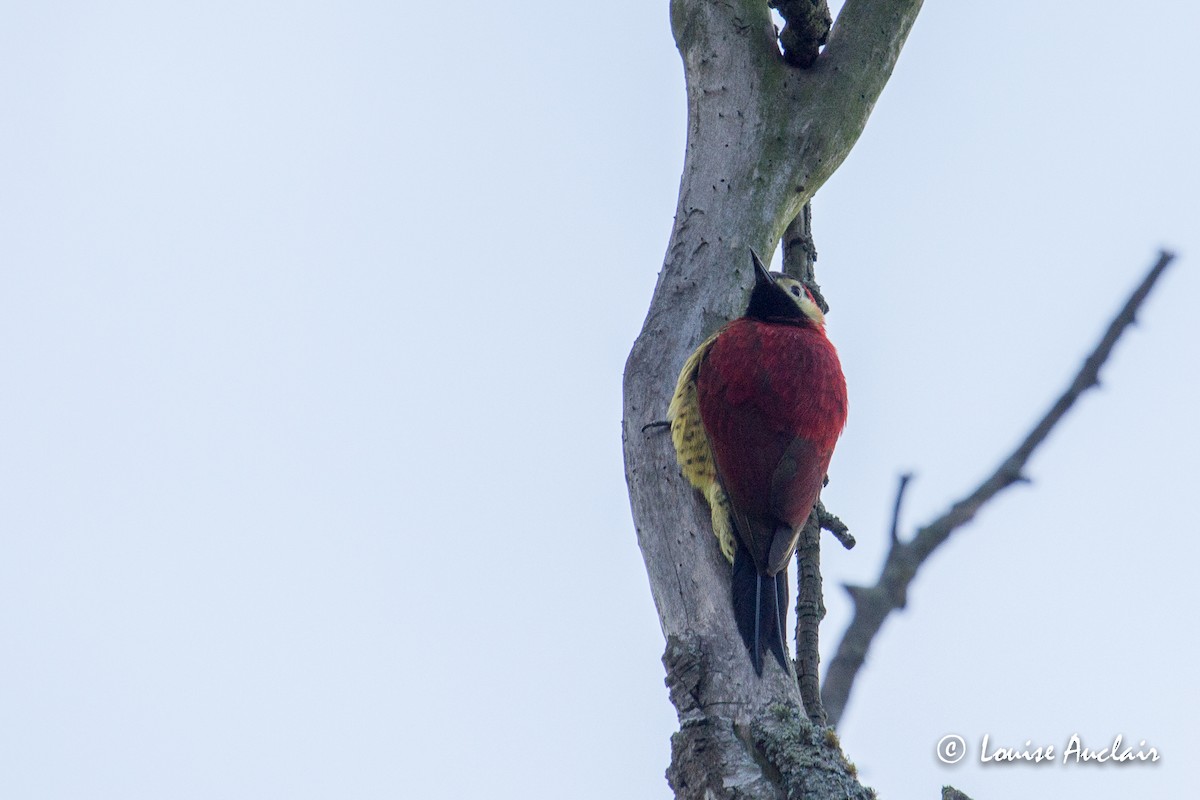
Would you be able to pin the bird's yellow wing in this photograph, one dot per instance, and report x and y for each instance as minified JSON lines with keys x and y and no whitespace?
{"x":693,"y":452}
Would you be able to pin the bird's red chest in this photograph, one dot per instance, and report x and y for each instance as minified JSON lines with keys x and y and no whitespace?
{"x":772,"y":394}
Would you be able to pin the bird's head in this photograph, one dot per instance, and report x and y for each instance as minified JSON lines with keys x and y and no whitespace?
{"x":779,"y":298}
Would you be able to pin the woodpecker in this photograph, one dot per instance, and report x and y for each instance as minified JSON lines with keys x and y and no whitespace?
{"x":754,"y":419}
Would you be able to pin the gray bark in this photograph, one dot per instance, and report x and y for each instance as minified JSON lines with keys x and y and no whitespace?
{"x":762,"y":138}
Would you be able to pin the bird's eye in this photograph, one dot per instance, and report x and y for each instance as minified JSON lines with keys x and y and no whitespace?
{"x":796,"y":291}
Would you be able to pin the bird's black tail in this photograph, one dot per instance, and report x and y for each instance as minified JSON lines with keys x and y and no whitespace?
{"x":760,"y":608}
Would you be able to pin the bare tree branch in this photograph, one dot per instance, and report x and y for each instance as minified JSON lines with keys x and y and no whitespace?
{"x":799,"y":250}
{"x":904,"y":479}
{"x":834,"y":525}
{"x":810,"y":611}
{"x":873,"y":605}
{"x":799,"y":256}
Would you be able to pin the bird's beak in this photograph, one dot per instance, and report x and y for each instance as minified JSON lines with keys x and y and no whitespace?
{"x":761,"y":276}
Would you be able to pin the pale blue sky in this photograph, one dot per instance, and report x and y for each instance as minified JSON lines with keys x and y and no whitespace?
{"x":313,"y":321}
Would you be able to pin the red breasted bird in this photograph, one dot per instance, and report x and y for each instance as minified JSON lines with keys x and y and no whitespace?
{"x":756,"y":413}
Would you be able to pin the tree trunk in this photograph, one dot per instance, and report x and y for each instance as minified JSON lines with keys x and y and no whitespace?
{"x":762,"y":137}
